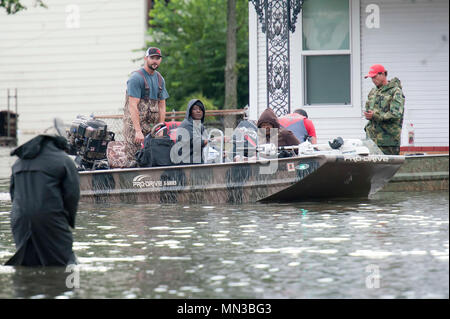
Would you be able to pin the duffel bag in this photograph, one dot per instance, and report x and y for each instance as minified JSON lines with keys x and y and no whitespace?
{"x":156,"y":151}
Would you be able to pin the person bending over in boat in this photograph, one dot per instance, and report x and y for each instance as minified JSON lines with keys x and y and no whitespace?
{"x":302,"y":127}
{"x":191,"y":136}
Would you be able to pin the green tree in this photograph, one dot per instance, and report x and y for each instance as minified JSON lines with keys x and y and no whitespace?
{"x":230,"y":68}
{"x":192,"y":35}
{"x":14,"y":6}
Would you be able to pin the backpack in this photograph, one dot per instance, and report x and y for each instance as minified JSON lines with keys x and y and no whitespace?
{"x":156,"y":151}
{"x":115,"y":153}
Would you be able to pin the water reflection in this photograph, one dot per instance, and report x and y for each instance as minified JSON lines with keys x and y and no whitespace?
{"x":304,"y":250}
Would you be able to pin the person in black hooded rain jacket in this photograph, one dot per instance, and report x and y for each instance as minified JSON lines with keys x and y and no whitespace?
{"x":44,"y":192}
{"x":192,"y":131}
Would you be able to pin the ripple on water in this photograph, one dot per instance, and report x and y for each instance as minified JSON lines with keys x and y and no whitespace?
{"x":372,"y":254}
{"x":7,"y":270}
{"x":175,"y":258}
{"x":319,"y":225}
{"x":238,"y":284}
{"x":330,"y":239}
{"x":111,"y":259}
{"x":261,"y":266}
{"x":169,"y":242}
{"x":323,"y":251}
{"x":160,"y":228}
{"x":325,"y":280}
{"x":107,"y":227}
{"x":217,"y":278}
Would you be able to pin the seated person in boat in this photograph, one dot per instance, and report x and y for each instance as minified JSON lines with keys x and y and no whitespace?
{"x":268,"y":123}
{"x":191,"y":136}
{"x":268,"y":120}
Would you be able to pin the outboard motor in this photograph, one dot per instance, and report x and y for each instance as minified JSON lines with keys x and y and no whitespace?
{"x":88,"y":138}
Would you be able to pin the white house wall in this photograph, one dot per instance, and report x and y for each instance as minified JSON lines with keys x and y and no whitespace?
{"x":63,"y":66}
{"x":331,"y":121}
{"x":412,"y":43}
{"x":257,"y":66}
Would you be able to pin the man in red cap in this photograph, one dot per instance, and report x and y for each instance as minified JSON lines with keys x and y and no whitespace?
{"x":384,"y":110}
{"x":145,"y":104}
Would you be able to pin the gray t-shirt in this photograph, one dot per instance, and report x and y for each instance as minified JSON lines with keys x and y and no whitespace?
{"x":136,"y":86}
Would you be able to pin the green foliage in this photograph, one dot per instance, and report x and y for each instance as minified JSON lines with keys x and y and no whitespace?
{"x":192,"y":37}
{"x":208,"y":103}
{"x":14,"y":6}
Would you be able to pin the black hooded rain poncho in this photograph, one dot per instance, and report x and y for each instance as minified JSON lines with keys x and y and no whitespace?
{"x":197,"y":139}
{"x":44,"y":192}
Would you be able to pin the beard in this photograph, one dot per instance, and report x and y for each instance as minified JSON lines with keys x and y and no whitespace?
{"x":152,"y":66}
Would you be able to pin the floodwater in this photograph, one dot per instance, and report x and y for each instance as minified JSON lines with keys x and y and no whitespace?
{"x":394,"y":245}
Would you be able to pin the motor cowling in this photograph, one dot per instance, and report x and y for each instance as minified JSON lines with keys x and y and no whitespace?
{"x":88,"y":138}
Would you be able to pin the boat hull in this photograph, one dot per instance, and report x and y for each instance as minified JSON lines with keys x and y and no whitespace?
{"x":290,"y":179}
{"x":421,"y":173}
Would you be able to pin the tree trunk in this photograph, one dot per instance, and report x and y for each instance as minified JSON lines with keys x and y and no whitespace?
{"x":230,"y":68}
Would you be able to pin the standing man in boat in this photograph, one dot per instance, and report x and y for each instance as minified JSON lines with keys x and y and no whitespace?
{"x":145,"y":104}
{"x":384,"y":110}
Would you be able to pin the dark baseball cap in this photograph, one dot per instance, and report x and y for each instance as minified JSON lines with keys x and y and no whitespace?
{"x":301,"y":112}
{"x":153,"y":51}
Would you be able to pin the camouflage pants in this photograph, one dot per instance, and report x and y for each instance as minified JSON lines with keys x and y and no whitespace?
{"x":148,"y":117}
{"x":390,"y":150}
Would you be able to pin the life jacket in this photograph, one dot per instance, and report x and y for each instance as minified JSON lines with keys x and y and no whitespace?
{"x":296,"y":125}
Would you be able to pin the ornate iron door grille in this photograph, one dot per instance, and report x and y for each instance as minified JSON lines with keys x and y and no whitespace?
{"x":278,"y":18}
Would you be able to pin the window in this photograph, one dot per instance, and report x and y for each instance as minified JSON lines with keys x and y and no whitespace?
{"x":326,"y":52}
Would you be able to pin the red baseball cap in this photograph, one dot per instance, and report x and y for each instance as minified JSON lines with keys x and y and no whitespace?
{"x":153,"y":51}
{"x":374,"y":70}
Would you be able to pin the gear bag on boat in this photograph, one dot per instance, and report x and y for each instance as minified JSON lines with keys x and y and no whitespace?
{"x":156,"y":151}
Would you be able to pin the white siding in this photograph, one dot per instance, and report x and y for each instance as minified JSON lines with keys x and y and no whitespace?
{"x":412,"y":44}
{"x":63,"y":72}
{"x":330,"y":121}
{"x":262,"y":72}
{"x":257,"y":65}
{"x":253,"y":61}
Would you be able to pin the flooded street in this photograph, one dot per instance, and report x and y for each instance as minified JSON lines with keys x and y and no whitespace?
{"x":394,"y":245}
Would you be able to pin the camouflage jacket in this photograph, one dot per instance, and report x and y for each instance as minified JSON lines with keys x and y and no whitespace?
{"x":387,"y":104}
